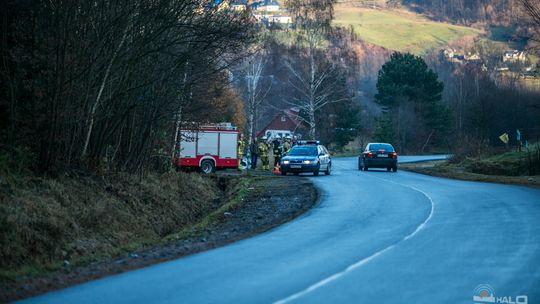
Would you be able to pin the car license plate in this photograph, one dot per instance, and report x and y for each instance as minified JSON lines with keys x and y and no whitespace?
{"x":382,"y":155}
{"x":296,"y":166}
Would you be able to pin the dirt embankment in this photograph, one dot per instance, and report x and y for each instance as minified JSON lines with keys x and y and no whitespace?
{"x":59,"y":232}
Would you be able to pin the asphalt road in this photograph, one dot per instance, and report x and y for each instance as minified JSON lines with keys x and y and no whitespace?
{"x":375,"y":237}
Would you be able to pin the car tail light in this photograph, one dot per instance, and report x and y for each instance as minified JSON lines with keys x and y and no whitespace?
{"x":370,"y":155}
{"x":393,"y":155}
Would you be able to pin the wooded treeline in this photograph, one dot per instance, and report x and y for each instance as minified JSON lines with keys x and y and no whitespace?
{"x":103,"y":83}
{"x":484,"y":107}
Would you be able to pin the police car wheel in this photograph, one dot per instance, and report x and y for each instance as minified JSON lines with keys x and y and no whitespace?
{"x":328,"y":169}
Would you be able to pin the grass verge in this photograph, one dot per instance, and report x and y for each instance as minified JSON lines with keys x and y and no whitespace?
{"x":459,"y":171}
{"x":50,"y":224}
{"x":253,"y":203}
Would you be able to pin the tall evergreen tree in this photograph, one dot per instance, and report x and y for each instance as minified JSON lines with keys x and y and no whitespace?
{"x":407,"y":87}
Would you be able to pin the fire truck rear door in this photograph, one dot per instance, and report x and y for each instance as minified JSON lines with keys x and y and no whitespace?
{"x":227,"y":145}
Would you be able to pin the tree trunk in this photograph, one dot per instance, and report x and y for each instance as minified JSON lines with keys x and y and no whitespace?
{"x":312,"y":123}
{"x":427,"y":141}
{"x":312,"y":89}
{"x":100,"y":93}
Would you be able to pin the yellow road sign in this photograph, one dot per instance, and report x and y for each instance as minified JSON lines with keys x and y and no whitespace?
{"x":504,"y":138}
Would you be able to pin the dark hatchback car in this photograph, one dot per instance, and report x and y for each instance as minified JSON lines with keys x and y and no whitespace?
{"x":307,"y":157}
{"x":378,"y":155}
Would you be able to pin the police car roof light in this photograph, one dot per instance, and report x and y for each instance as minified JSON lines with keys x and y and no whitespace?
{"x":309,"y":142}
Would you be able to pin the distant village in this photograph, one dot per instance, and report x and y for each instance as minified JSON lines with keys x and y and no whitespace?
{"x":266,"y":12}
{"x":510,"y":61}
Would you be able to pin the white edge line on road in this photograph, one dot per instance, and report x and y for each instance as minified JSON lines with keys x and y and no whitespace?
{"x":366,"y":260}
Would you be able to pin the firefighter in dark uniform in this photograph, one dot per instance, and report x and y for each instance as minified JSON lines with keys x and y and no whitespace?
{"x":277,"y":149}
{"x":241,"y":148}
{"x":254,"y":149}
{"x":263,"y":149}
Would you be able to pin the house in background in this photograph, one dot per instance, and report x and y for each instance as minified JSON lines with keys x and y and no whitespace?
{"x":285,"y":123}
{"x":269,"y":19}
{"x":266,"y":6}
{"x":473,"y":57}
{"x":239,"y":5}
{"x":514,"y":55}
{"x":280,"y":19}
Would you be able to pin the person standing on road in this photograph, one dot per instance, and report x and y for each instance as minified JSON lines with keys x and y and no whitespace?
{"x":263,"y":148}
{"x":254,"y":149}
{"x":287,"y":145}
{"x":277,"y":152}
{"x":241,"y":149}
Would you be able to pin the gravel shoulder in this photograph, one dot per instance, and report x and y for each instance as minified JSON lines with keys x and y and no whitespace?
{"x":267,"y":202}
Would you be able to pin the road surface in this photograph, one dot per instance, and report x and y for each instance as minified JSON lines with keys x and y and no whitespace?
{"x":375,"y":237}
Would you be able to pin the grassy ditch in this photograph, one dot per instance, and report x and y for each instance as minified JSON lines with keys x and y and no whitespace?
{"x":507,"y":164}
{"x":520,"y":168}
{"x":235,"y":199}
{"x":48,"y":224}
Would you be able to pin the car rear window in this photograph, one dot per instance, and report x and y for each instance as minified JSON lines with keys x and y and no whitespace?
{"x":377,"y":147}
{"x":303,"y":151}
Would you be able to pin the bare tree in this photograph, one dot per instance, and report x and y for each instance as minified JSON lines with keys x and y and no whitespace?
{"x":257,"y":89}
{"x":313,"y":19}
{"x":315,"y":88}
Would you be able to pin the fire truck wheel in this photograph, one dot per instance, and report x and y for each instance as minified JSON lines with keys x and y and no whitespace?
{"x":207,"y":166}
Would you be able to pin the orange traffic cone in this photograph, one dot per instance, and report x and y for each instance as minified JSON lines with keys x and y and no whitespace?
{"x":276,"y":168}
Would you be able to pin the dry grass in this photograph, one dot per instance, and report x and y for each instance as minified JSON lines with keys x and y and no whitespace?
{"x":45,"y":222}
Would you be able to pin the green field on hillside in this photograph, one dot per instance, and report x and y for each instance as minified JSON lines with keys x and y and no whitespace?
{"x":399,"y":30}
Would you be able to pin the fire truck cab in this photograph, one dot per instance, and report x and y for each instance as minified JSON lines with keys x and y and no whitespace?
{"x":208,"y":147}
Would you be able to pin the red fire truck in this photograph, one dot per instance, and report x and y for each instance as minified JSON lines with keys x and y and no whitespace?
{"x":209,"y":147}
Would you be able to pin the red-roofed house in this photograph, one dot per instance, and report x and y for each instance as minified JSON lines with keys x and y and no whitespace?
{"x":286,"y":123}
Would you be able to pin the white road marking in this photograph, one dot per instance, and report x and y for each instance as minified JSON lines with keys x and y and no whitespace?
{"x":366,"y":260}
